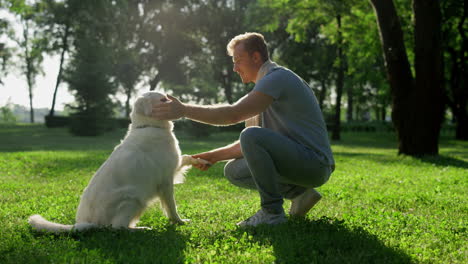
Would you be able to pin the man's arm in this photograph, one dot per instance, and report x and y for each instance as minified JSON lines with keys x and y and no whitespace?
{"x":232,"y":151}
{"x":248,"y":106}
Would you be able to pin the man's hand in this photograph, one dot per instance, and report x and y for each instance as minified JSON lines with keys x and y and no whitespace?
{"x":170,"y":110}
{"x":208,"y":156}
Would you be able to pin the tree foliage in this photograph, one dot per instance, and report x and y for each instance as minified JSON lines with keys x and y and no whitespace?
{"x":179,"y":47}
{"x":455,"y":44}
{"x":30,"y":42}
{"x":56,"y":19}
{"x":90,"y":70}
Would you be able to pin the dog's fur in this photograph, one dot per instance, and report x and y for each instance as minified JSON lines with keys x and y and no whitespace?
{"x":143,"y":167}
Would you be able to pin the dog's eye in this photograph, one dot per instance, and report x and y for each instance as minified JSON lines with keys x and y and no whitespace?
{"x":164,"y":99}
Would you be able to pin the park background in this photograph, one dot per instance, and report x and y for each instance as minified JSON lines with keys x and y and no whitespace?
{"x":390,"y":77}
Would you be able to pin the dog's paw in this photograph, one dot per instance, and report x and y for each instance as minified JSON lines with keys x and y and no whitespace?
{"x":189,"y":160}
{"x":197,"y":161}
{"x":180,"y":221}
{"x":139,"y":228}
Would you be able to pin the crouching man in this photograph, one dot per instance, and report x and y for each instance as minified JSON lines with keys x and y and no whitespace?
{"x":284,"y":151}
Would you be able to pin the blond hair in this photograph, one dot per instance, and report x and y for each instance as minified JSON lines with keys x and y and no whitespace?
{"x":252,"y":42}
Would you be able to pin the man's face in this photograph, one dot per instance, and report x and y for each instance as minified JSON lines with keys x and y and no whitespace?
{"x":245,"y":64}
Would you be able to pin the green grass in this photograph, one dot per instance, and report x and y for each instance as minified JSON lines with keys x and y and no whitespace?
{"x":378,"y":207}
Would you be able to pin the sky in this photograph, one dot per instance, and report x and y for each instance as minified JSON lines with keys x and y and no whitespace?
{"x":15,"y":88}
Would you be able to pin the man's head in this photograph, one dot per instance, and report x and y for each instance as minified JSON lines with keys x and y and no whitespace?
{"x":249,"y":52}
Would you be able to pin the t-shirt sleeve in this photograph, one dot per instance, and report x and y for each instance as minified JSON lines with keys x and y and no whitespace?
{"x":270,"y":85}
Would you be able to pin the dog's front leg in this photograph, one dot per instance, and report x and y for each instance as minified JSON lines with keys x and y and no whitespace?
{"x":187,"y":160}
{"x":169,"y":205}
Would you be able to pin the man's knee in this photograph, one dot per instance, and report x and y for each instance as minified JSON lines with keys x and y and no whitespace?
{"x":230,"y":171}
{"x":250,"y":135}
{"x":238,"y":173}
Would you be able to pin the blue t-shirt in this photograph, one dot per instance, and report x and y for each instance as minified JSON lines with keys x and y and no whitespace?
{"x":295,"y":112}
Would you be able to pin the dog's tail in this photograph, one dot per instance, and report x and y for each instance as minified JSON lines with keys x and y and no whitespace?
{"x":40,"y":224}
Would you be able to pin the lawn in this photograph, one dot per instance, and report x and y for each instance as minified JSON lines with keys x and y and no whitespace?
{"x":378,"y":207}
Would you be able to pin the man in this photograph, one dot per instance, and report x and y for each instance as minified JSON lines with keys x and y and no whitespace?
{"x":284,"y":152}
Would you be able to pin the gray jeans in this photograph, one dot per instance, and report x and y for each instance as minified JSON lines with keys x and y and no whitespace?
{"x":276,"y":166}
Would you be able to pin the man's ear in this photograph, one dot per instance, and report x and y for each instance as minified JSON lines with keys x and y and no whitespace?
{"x":143,"y":106}
{"x":257,"y":56}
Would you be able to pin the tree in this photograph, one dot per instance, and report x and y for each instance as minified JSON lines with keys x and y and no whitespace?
{"x":127,"y":46}
{"x":417,"y":103}
{"x":365,"y":81}
{"x":233,"y":16}
{"x":454,"y":28}
{"x":166,"y":39}
{"x":90,"y":69}
{"x":6,"y":114}
{"x":302,"y":49}
{"x":5,"y":52}
{"x":312,"y":58}
{"x":313,"y":27}
{"x":339,"y":81}
{"x":208,"y":68}
{"x":31,"y":44}
{"x":127,"y":73}
{"x":56,"y":20}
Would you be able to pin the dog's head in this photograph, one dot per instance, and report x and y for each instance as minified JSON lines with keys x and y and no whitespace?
{"x":143,"y":107}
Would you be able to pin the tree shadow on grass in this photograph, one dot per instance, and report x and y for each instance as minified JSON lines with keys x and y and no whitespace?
{"x":40,"y":138}
{"x":444,"y":161}
{"x":440,"y":160}
{"x":162,"y":245}
{"x":324,"y":240}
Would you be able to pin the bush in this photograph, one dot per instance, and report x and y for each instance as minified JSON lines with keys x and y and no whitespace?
{"x":122,"y":122}
{"x":195,"y":129}
{"x":367,"y":126}
{"x":89,"y":75}
{"x":6,"y":115}
{"x":200,"y":130}
{"x":90,"y":124}
{"x":65,"y":121}
{"x":56,"y":121}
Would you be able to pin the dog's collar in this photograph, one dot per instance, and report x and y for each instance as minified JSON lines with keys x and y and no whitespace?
{"x":143,"y":126}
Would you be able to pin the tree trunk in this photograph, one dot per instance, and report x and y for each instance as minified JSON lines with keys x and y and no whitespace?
{"x":59,"y":76}
{"x":227,"y":85}
{"x":416,"y":105}
{"x":29,"y":69}
{"x":154,"y":82}
{"x":349,"y":111}
{"x":458,"y":81}
{"x":322,"y":93}
{"x":461,"y":131}
{"x":128,"y":93}
{"x":383,"y":113}
{"x":429,"y":103}
{"x":458,"y":100}
{"x":31,"y":108}
{"x":339,"y":83}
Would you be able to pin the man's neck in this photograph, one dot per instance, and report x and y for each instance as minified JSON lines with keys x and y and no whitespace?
{"x":264,"y":69}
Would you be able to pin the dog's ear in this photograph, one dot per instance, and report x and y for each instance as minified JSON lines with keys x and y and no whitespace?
{"x":143,"y":106}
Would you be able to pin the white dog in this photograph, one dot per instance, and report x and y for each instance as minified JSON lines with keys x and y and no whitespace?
{"x":145,"y":166}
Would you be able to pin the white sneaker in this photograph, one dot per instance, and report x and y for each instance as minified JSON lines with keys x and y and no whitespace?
{"x":302,"y":204}
{"x":263,"y":217}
